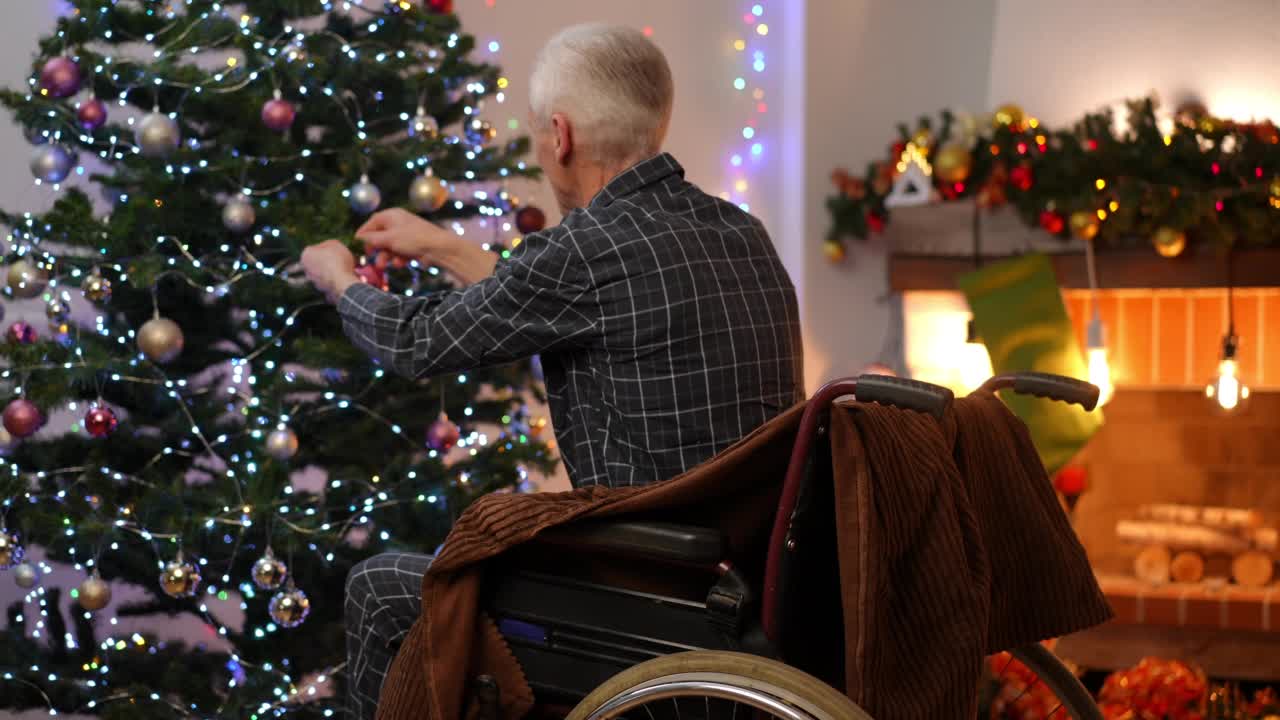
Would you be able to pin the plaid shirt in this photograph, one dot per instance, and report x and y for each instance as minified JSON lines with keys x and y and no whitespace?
{"x":667,"y":326}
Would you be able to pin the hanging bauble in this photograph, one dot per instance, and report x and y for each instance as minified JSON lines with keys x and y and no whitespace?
{"x":1169,"y":242}
{"x":365,"y":197}
{"x":442,"y":434}
{"x":157,"y":135}
{"x":160,"y":339}
{"x":179,"y":578}
{"x":97,"y":289}
{"x":93,"y":594}
{"x":25,"y":576}
{"x":424,"y":126}
{"x":100,"y":421}
{"x":238,"y":214}
{"x":57,"y":308}
{"x":269,"y":571}
{"x":60,"y":77}
{"x":21,"y":333}
{"x":1010,"y":116}
{"x":92,"y":114}
{"x":22,"y":418}
{"x":282,"y":443}
{"x":289,"y":607}
{"x":953,"y":163}
{"x":479,"y":132}
{"x":35,"y":135}
{"x":26,"y":279}
{"x":1084,"y":224}
{"x":427,"y":193}
{"x":278,"y":113}
{"x":1052,"y":222}
{"x":10,"y":549}
{"x":530,"y":219}
{"x":834,"y":250}
{"x":51,"y":163}
{"x":1022,"y":177}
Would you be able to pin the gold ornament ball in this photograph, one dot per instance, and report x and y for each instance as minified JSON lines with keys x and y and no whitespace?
{"x":428,"y":193}
{"x":269,"y":572}
{"x":834,"y":250}
{"x":57,"y":309}
{"x":1084,"y":224}
{"x":289,"y":607}
{"x":953,"y":163}
{"x":160,"y":339}
{"x":1011,"y":116}
{"x":25,"y":576}
{"x":97,"y":289}
{"x":179,"y":579}
{"x":282,"y":443}
{"x":1169,"y":242}
{"x":1275,"y":187}
{"x":94,"y":593}
{"x":10,"y":550}
{"x":26,"y":279}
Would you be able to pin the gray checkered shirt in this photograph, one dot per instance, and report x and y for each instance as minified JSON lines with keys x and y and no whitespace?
{"x":667,"y":326}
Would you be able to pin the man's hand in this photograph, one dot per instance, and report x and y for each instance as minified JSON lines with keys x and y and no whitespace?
{"x":397,"y":236}
{"x":330,"y":267}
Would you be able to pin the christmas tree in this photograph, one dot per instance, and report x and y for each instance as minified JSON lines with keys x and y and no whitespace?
{"x":232,"y":456}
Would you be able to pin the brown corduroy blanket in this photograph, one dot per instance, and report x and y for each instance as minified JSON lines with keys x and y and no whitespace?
{"x":952,"y":545}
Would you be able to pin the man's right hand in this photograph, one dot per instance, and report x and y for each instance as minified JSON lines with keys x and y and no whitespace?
{"x":398,"y":235}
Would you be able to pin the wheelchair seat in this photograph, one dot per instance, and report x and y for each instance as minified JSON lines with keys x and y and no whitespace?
{"x":683,"y":544}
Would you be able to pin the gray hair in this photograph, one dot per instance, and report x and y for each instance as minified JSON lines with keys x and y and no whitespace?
{"x":614,"y":85}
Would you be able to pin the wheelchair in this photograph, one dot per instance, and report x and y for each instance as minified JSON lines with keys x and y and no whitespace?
{"x":649,"y":620}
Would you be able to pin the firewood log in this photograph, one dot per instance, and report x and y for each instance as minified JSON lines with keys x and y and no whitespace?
{"x":1187,"y":567}
{"x":1181,"y":536}
{"x":1220,"y":517}
{"x":1152,"y":564}
{"x":1252,"y":569}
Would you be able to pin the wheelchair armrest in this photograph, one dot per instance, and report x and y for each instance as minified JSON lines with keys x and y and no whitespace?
{"x":684,"y":544}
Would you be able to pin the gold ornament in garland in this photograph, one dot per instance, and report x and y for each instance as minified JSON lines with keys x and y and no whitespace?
{"x":953,"y":163}
{"x":160,"y":339}
{"x":1010,"y":116}
{"x":26,"y":279}
{"x":1084,"y":224}
{"x":1169,"y":242}
{"x":834,"y":250}
{"x":93,"y":594}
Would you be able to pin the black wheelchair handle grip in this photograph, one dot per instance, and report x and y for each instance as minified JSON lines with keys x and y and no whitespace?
{"x":1057,"y":387}
{"x":904,"y":393}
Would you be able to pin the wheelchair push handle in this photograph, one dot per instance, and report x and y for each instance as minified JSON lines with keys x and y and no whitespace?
{"x":1054,"y":387}
{"x":904,"y":393}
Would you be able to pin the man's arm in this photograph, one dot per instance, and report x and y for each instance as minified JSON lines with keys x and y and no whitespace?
{"x":539,"y":300}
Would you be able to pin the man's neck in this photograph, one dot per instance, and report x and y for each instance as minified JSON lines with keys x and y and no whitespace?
{"x":591,"y":179}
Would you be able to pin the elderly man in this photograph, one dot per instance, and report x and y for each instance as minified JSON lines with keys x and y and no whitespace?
{"x":668,"y":327}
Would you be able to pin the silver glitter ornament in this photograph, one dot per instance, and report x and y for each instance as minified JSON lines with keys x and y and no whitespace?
{"x":51,"y":163}
{"x":157,"y":135}
{"x":427,"y":193}
{"x":238,"y":214}
{"x":365,"y":197}
{"x":26,"y":279}
{"x":282,"y":443}
{"x":24,"y":576}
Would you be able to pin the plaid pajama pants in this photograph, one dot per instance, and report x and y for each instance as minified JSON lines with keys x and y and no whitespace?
{"x":383,"y":599}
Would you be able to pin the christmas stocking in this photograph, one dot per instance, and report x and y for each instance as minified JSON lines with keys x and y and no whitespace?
{"x":1018,"y":313}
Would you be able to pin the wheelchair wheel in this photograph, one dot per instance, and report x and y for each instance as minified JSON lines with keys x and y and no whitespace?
{"x":709,"y":685}
{"x":1035,"y":683}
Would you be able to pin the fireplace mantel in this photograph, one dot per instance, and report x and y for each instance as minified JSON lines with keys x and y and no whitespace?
{"x":930,"y":245}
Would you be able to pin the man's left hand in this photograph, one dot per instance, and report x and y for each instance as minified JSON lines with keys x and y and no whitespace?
{"x":331,"y":267}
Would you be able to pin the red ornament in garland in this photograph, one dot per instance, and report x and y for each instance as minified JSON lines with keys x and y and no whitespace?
{"x":22,"y":418}
{"x":92,"y":114}
{"x":1052,"y":221}
{"x":278,"y":114}
{"x":530,"y":219}
{"x":442,"y":434}
{"x":60,"y":77}
{"x":440,"y":6}
{"x":1022,"y":178}
{"x":22,"y":333}
{"x":100,"y":421}
{"x":875,"y":222}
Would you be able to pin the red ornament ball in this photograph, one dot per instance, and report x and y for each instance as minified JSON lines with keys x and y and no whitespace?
{"x":1071,"y":480}
{"x":440,"y":6}
{"x":22,"y":418}
{"x":1022,"y":177}
{"x":875,"y":222}
{"x":1052,"y":221}
{"x":92,"y":114}
{"x":100,"y":421}
{"x":373,"y":275}
{"x":530,"y":219}
{"x":442,"y":434}
{"x":22,"y":333}
{"x":60,"y":77}
{"x":278,"y":114}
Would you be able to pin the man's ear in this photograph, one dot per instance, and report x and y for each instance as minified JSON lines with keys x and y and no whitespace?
{"x":563,"y":131}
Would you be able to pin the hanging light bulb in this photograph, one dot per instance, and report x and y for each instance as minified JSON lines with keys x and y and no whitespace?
{"x":1099,"y":368}
{"x":975,"y":361}
{"x":1226,"y":389}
